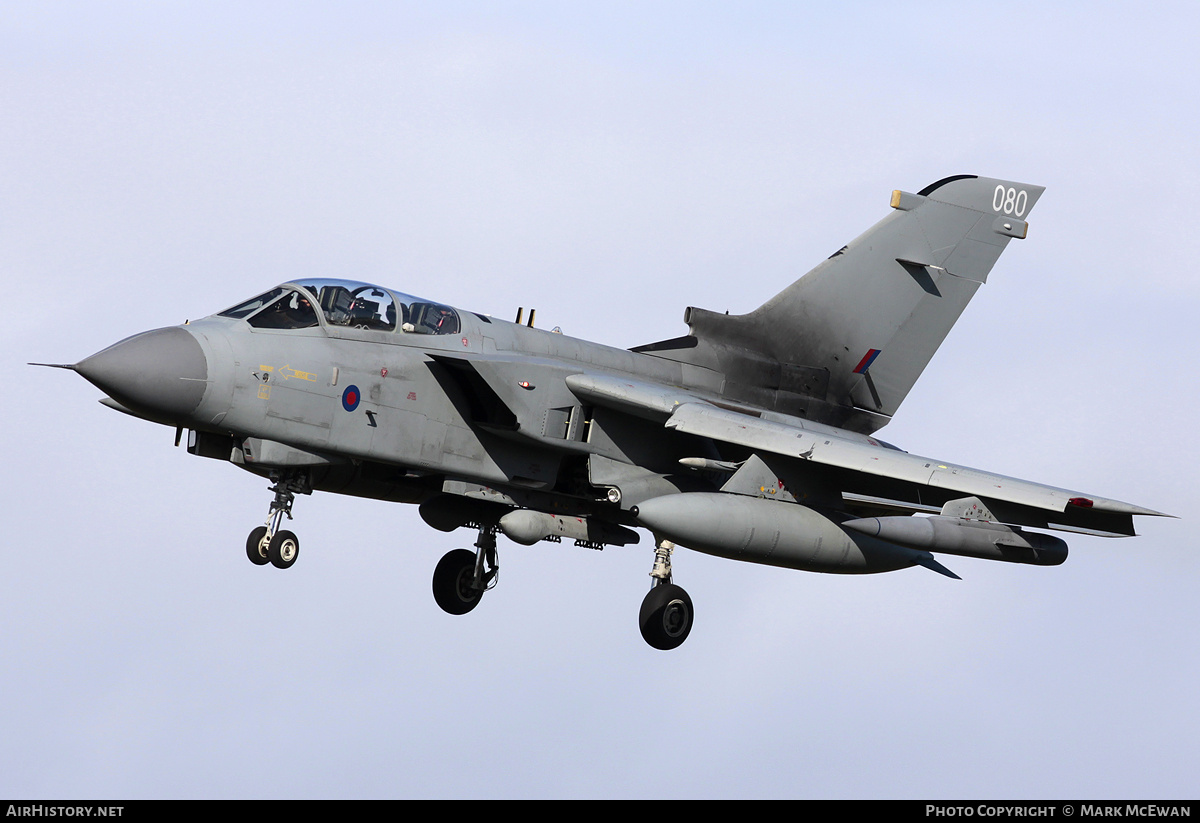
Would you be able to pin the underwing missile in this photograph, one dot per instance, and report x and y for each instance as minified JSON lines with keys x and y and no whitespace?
{"x":969,"y":538}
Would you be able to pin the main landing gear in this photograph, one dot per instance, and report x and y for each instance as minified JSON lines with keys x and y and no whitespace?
{"x":462,"y":576}
{"x":269,"y":543}
{"x":666,"y":614}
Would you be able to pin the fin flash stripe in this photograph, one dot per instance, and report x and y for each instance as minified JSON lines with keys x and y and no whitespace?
{"x":867,"y":360}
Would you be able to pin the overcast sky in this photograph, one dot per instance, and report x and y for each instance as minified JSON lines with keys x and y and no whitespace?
{"x":608,"y":164}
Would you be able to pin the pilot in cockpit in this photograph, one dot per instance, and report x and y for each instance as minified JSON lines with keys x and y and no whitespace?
{"x":298,"y":310}
{"x":292,"y":311}
{"x":372,"y":309}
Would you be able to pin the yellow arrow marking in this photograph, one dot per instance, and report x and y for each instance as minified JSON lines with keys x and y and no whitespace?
{"x":288,"y":371}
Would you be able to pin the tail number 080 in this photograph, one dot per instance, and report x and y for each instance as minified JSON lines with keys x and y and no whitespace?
{"x":1009,"y":200}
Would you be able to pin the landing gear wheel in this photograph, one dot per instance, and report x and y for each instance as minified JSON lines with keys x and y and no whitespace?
{"x":666,"y":617}
{"x":453,"y":582}
{"x":256,"y":547}
{"x":285,"y":548}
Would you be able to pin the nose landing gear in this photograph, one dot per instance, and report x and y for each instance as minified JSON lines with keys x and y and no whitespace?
{"x":269,"y":543}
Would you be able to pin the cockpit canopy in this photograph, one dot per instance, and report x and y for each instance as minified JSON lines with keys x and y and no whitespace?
{"x":346,"y":304}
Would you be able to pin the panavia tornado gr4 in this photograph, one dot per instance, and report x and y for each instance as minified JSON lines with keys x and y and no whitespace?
{"x":749,"y":438}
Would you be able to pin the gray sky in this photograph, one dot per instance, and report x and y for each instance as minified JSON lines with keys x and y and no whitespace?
{"x":608,"y":165}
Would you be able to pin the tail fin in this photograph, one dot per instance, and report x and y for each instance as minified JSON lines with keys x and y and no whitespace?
{"x":860,"y":328}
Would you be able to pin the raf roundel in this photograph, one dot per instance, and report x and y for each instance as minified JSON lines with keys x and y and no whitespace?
{"x":350,"y":398}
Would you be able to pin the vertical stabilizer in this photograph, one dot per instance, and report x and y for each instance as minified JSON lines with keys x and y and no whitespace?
{"x":867,"y":320}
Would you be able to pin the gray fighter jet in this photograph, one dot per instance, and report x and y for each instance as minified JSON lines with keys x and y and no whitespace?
{"x":749,"y":438}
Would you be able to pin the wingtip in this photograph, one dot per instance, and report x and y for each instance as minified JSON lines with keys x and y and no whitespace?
{"x":1141,"y":512}
{"x":1119,"y":507}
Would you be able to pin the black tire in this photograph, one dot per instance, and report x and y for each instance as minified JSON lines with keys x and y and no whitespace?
{"x":452,"y":581}
{"x":285,"y":548}
{"x":256,"y":547}
{"x":666,"y":617}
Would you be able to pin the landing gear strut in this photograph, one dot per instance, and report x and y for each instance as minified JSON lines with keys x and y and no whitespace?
{"x":270,"y":544}
{"x":666,"y":614}
{"x":462,"y":576}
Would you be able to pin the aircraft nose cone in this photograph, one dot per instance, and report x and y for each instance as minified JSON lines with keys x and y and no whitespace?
{"x":162,"y":372}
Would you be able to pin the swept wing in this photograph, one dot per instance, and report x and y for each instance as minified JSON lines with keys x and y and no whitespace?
{"x":862,"y":466}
